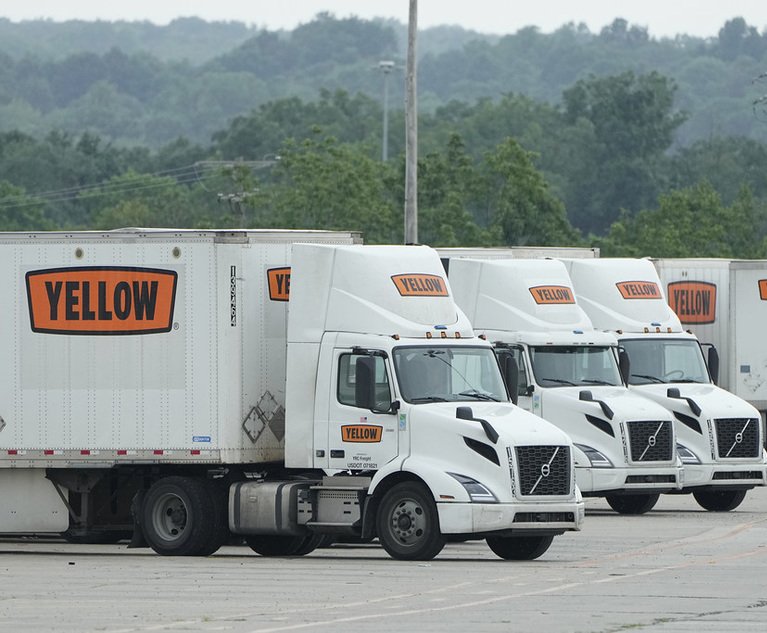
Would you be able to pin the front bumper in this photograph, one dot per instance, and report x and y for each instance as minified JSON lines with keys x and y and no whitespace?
{"x":480,"y":518}
{"x":593,"y":481}
{"x":724,"y":475}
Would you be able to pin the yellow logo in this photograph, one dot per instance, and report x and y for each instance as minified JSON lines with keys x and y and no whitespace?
{"x":639,"y":290}
{"x":693,"y":301}
{"x":101,"y":300}
{"x":552,"y":294}
{"x":361,"y":433}
{"x":420,"y":285}
{"x":279,"y":283}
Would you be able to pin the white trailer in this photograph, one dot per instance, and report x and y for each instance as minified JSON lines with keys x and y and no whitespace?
{"x":181,"y":386}
{"x":719,"y":435}
{"x":568,"y":373}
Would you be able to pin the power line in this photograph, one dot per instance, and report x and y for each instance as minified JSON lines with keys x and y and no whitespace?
{"x":196,"y":172}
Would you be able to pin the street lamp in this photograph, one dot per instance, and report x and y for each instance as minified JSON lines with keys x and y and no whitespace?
{"x":385,"y":67}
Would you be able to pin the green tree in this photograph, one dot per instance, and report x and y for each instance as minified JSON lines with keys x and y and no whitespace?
{"x":522,"y":207}
{"x":633,"y":122}
{"x":21,"y":212}
{"x":320,"y":183}
{"x":691,"y":223}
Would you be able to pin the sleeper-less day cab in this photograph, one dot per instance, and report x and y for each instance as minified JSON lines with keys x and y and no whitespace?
{"x":719,"y":435}
{"x":568,"y":373}
{"x":284,"y":386}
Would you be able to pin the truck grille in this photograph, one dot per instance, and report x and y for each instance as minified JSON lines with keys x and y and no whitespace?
{"x":651,"y":441}
{"x":544,"y":470}
{"x":737,"y":437}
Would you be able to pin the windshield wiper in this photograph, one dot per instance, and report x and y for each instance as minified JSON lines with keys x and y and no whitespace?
{"x":595,"y":381}
{"x":473,"y":393}
{"x":429,"y":399}
{"x":685,"y":380}
{"x":648,"y":377}
{"x":560,"y":381}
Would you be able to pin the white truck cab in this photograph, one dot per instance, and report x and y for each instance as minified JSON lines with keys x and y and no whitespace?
{"x":568,"y":373}
{"x":718,"y":434}
{"x":388,"y":387}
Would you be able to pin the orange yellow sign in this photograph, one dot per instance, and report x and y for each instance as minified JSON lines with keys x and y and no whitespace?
{"x":693,"y":301}
{"x":366,"y":433}
{"x":420,"y":285}
{"x":552,"y":294}
{"x":101,"y":300}
{"x":639,"y":290}
{"x":279,"y":283}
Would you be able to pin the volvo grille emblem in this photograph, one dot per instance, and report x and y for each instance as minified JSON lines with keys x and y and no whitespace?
{"x":738,"y":437}
{"x":545,"y":470}
{"x":651,"y":441}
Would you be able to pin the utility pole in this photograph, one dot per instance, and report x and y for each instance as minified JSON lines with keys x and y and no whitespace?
{"x":411,"y":132}
{"x":385,"y":67}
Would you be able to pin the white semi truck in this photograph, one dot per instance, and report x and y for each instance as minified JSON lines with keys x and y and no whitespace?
{"x":719,"y":435}
{"x":563,"y":370}
{"x":184,"y":386}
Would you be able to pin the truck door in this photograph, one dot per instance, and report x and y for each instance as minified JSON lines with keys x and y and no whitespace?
{"x":361,"y":438}
{"x":524,"y":385}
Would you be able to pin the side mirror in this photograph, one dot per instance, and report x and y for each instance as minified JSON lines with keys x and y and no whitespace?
{"x":365,"y":382}
{"x":713,"y":364}
{"x":511,"y":376}
{"x":624,"y":365}
{"x":365,"y":396}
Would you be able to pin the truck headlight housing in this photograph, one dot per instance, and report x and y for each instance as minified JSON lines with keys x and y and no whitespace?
{"x":686,"y":455}
{"x":596,"y":459}
{"x":476,"y":491}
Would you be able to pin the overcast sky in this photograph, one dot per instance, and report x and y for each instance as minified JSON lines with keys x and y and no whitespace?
{"x":661,"y":17}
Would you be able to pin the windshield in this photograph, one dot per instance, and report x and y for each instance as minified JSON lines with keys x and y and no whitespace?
{"x":446,"y":374}
{"x":656,"y":360}
{"x":571,"y":365}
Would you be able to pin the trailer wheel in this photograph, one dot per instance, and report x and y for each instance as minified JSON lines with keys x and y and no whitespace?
{"x":719,"y":500}
{"x":176,"y":517}
{"x":283,"y":545}
{"x":408,"y":523}
{"x":519,"y":547}
{"x":632,"y":504}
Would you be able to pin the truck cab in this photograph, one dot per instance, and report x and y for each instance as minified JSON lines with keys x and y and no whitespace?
{"x":719,"y":438}
{"x":563,"y":370}
{"x":399,"y":416}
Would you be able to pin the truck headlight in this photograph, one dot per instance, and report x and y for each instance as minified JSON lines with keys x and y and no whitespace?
{"x":597,"y":459}
{"x":686,"y":455}
{"x":477,"y":492}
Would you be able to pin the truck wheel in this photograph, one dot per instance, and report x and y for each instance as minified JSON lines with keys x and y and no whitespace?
{"x":719,"y":500}
{"x":632,"y":504}
{"x":519,"y":547}
{"x":176,"y":517}
{"x":408,"y":523}
{"x":282,"y":545}
{"x":219,"y":516}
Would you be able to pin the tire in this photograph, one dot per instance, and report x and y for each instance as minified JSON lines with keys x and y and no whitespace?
{"x":283,"y":545}
{"x":219,"y":516}
{"x":176,"y":517}
{"x":519,"y":547}
{"x":633,"y":504}
{"x":719,"y":500}
{"x":408,"y":523}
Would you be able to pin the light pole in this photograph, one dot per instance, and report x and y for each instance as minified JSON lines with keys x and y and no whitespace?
{"x":385,"y":67}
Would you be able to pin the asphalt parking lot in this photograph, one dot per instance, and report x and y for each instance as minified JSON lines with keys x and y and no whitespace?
{"x":676,"y":569}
